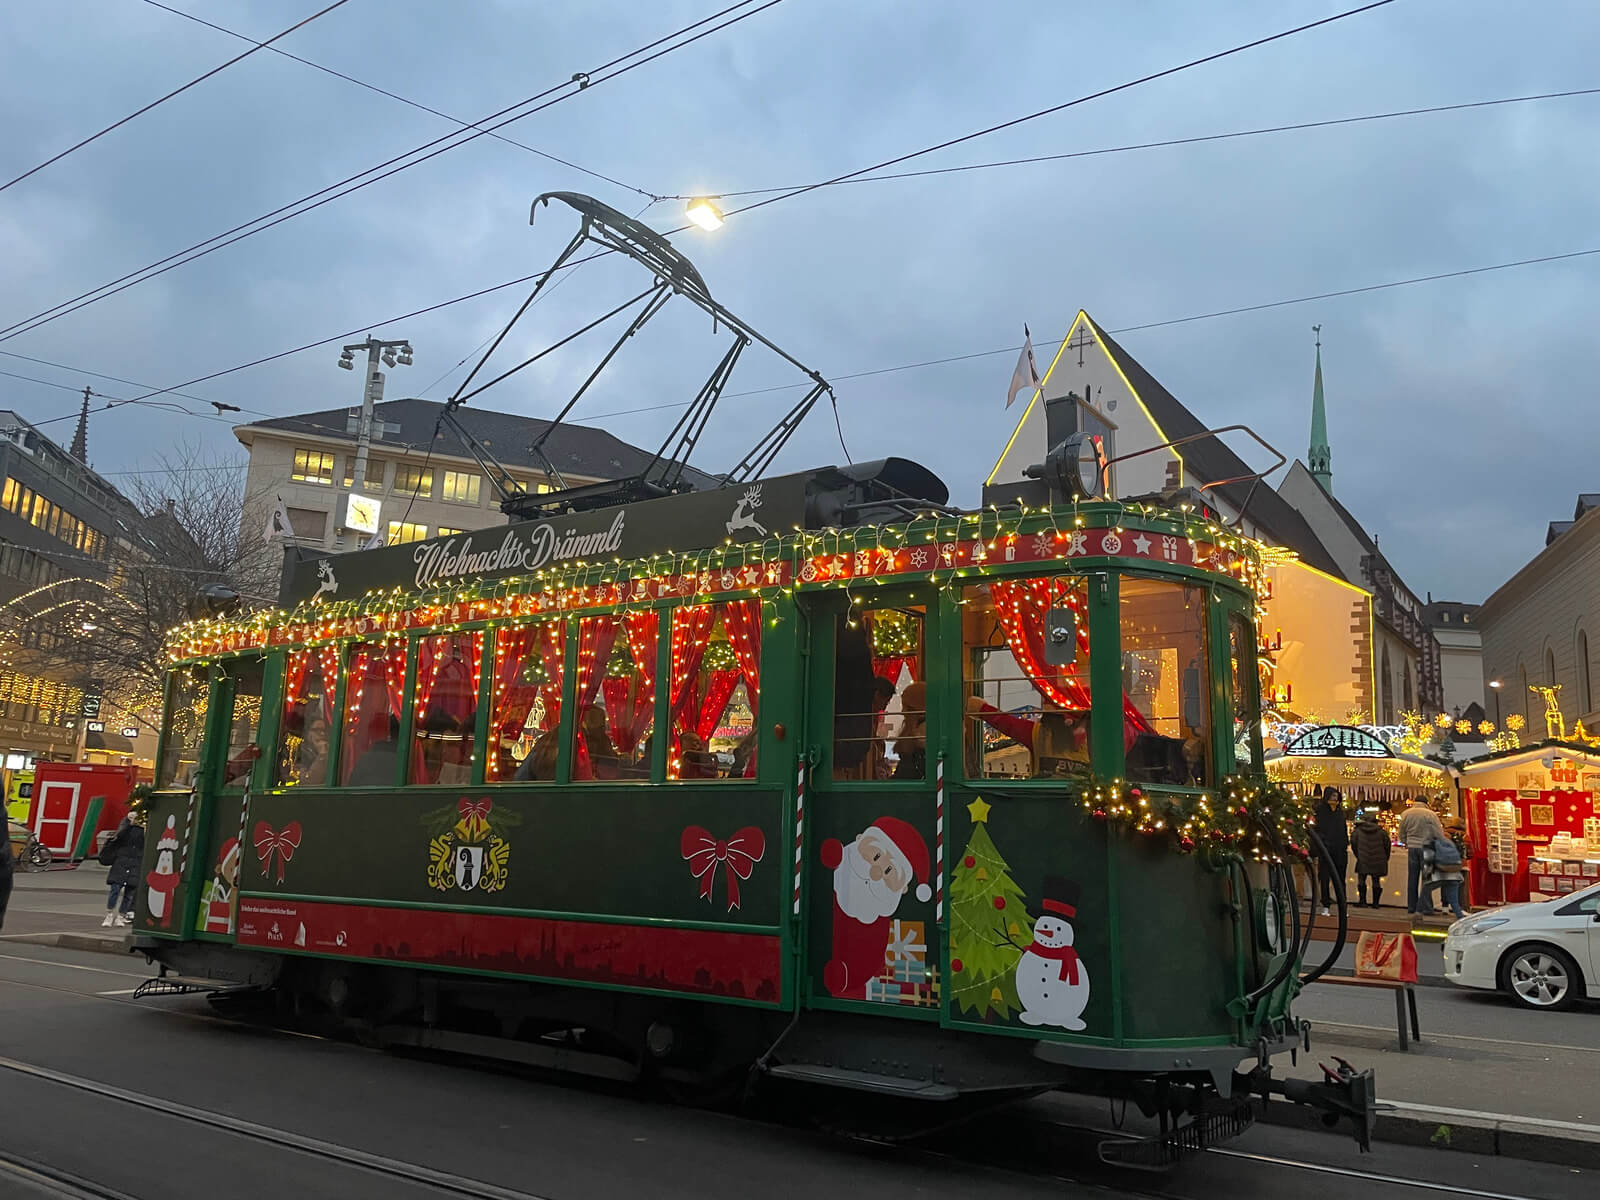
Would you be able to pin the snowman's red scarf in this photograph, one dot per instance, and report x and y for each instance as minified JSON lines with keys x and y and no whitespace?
{"x":1065,"y":955}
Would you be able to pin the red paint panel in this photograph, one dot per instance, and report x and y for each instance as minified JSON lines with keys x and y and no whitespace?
{"x":702,"y":961}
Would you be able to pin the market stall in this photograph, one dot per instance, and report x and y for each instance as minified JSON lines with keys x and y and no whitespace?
{"x":1533,"y":817}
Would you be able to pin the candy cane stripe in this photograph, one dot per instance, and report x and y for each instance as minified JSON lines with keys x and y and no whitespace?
{"x":938,"y":843}
{"x":799,"y":827}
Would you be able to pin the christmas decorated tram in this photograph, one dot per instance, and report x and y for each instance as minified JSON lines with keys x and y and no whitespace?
{"x":808,"y":779}
{"x":937,"y":805}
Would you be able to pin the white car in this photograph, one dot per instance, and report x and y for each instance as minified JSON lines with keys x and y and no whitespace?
{"x":1543,"y":955}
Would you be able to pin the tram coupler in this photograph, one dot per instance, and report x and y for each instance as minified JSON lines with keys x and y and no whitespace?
{"x":1341,"y":1092}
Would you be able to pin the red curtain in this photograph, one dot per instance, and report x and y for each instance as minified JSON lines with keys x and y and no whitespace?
{"x":643,"y":629}
{"x":513,"y":696}
{"x":719,"y":687}
{"x":691,"y":628}
{"x":889,"y":666}
{"x":1021,"y":607}
{"x":742,"y":621}
{"x":596,"y":636}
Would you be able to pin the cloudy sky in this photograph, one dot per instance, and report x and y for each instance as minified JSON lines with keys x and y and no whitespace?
{"x":1460,"y":412}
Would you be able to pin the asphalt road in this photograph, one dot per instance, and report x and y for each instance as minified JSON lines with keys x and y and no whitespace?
{"x":162,"y":1099}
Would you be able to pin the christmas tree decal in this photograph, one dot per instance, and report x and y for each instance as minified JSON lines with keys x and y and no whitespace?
{"x":987,"y":917}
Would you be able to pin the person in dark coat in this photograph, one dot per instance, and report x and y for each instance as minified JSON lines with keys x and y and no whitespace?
{"x":127,"y":856}
{"x":1372,"y":848}
{"x":6,"y":872}
{"x":1334,"y":835}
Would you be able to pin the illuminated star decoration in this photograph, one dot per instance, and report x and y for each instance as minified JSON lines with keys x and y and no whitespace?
{"x":1141,"y":544}
{"x":978,"y":810}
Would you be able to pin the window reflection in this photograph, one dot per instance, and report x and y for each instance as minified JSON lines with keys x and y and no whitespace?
{"x":1165,"y":676}
{"x":370,"y":751}
{"x":880,"y":695}
{"x":310,"y":682}
{"x":244,"y":722}
{"x":715,"y":689}
{"x":188,"y":695}
{"x":449,"y":667}
{"x":1243,"y":674}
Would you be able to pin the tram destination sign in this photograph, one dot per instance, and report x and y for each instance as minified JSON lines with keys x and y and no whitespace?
{"x":693,"y":521}
{"x":1337,"y":741}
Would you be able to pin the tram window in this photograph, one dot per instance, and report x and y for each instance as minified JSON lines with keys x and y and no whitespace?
{"x":188,"y":694}
{"x":616,"y":697}
{"x":1165,"y":677}
{"x":370,"y":747}
{"x":715,"y":689}
{"x":880,"y":715}
{"x":244,"y":722}
{"x":449,"y":666}
{"x":1242,"y":670}
{"x":310,"y":681}
{"x":527,"y":682}
{"x":1025,"y":718}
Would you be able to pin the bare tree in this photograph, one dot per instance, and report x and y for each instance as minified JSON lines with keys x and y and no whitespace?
{"x":183,"y":530}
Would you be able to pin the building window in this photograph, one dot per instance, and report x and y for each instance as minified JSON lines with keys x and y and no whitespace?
{"x":1550,"y":667}
{"x":461,"y":487}
{"x":374,"y":477}
{"x":1405,"y":684}
{"x":1466,"y":618}
{"x":413,"y":481}
{"x":312,"y":466}
{"x":446,"y":531}
{"x":1585,"y":687}
{"x":406,"y":531}
{"x":1387,"y":698}
{"x":310,"y":524}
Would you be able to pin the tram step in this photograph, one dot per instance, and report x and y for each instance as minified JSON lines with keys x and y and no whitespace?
{"x":184,"y":985}
{"x":1218,"y":1124}
{"x":864,"y":1081}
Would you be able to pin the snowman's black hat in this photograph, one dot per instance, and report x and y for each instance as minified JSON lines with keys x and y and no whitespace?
{"x":1060,"y":896}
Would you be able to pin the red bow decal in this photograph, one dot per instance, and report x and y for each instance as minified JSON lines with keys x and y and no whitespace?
{"x":474,"y":815}
{"x":739,"y":855}
{"x":283,"y":844}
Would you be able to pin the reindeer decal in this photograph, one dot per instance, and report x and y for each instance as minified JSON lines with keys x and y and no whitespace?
{"x":326,"y":583}
{"x":744,"y":513}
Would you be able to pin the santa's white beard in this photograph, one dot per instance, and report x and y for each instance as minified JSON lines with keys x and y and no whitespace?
{"x":860,"y":896}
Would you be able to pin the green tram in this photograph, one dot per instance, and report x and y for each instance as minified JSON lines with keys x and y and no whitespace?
{"x":942,"y":806}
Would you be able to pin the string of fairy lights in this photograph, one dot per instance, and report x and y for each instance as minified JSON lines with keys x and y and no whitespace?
{"x":937,"y":550}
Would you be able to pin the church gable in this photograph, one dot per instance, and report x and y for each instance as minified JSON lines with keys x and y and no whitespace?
{"x":1084,"y":366}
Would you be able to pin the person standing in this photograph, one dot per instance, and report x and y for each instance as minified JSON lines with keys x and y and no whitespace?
{"x":126,"y":850}
{"x":1371,"y":844}
{"x":6,"y":874}
{"x":1334,"y":858}
{"x":1419,"y":826}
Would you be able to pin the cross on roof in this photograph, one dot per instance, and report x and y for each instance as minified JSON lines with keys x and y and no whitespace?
{"x":1079,"y":340}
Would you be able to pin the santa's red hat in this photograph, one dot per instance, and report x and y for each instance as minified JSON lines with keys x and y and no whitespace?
{"x":169,"y":836}
{"x":909,"y":848}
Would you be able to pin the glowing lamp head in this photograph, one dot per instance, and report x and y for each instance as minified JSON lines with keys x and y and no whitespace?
{"x":704,"y":214}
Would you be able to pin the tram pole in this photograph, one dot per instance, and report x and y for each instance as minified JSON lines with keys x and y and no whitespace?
{"x":371,"y":396}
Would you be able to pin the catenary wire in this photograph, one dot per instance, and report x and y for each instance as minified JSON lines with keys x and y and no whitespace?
{"x":1056,"y":108}
{"x":175,"y":92}
{"x":1168,"y":143}
{"x":580,"y":82}
{"x":372,"y":87}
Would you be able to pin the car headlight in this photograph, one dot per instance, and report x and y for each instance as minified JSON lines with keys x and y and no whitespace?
{"x":1478,"y":925}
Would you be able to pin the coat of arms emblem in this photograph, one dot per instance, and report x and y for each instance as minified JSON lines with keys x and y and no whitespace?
{"x":469,"y":851}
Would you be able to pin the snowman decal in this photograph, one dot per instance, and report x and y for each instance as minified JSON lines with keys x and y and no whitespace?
{"x":161,"y":883}
{"x":1052,"y":982}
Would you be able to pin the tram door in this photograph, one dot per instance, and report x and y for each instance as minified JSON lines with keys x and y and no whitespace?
{"x":872,"y":932}
{"x":237,"y":728}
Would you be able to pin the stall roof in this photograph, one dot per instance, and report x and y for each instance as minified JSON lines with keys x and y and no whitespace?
{"x":1522,"y":754}
{"x":1277,"y":756}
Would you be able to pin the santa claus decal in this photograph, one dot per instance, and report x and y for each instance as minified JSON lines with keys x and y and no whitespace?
{"x":870,"y":876}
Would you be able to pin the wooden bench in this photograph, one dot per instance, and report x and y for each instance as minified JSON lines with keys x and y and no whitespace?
{"x":1405,"y":998}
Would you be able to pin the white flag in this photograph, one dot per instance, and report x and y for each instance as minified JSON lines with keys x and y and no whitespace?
{"x":278,"y":523}
{"x":1027,"y":373}
{"x":373,"y":542}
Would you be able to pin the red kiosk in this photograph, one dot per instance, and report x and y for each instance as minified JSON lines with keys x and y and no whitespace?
{"x":1533,"y":816}
{"x":63,"y":798}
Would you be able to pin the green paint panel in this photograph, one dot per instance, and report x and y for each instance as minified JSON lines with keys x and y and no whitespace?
{"x":693,"y":853}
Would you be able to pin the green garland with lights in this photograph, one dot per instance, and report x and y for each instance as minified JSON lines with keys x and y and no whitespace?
{"x":1255,"y":818}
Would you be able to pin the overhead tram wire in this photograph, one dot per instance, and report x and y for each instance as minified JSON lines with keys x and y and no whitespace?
{"x":372,"y":87}
{"x":1045,"y":112}
{"x":580,"y":82}
{"x":175,"y":92}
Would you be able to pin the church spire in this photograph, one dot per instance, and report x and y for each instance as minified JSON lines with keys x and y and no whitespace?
{"x":1320,"y":458}
{"x":80,"y":439}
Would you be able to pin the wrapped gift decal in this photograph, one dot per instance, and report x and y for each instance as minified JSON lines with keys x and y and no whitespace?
{"x":907,"y":976}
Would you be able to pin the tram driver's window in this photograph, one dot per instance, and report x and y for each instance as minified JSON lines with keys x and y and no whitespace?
{"x":880,"y":715}
{"x":310,"y":683}
{"x":1243,"y":678}
{"x":1166,"y":681}
{"x":526,"y":692}
{"x":369,"y":751}
{"x":244,"y":722}
{"x":612,"y":736}
{"x":1026,"y":717}
{"x":715,"y":659}
{"x":188,"y":694}
{"x":445,"y":727}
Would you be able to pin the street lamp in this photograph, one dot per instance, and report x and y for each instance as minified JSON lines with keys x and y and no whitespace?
{"x":390,"y":353}
{"x":704,"y":213}
{"x":1494,"y":686}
